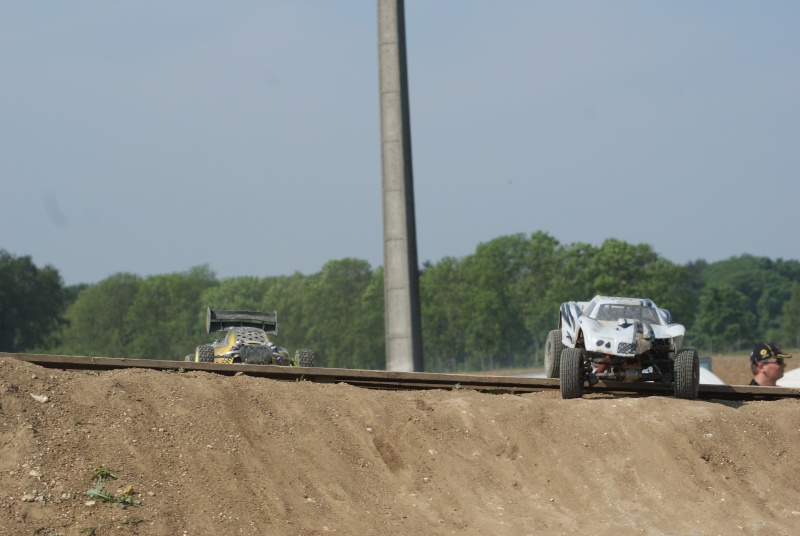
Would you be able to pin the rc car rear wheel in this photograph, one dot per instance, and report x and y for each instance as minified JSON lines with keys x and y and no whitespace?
{"x":304,"y":358}
{"x":687,"y":374}
{"x":205,"y":353}
{"x":552,"y":354}
{"x":571,"y":372}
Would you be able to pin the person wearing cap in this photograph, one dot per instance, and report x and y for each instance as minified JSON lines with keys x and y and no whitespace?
{"x":767,"y":363}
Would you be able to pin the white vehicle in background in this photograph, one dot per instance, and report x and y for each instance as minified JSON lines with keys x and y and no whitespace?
{"x":790,"y":379}
{"x":619,"y":339}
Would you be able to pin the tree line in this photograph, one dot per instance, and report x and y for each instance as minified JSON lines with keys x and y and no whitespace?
{"x":489,"y":310}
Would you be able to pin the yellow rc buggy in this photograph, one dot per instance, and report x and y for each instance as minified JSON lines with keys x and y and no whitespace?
{"x":246,"y":339}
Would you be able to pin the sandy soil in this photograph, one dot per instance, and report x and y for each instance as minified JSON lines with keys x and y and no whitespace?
{"x":201,"y":454}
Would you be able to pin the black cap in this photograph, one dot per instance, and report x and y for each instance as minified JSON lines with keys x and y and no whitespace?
{"x":765,"y":350}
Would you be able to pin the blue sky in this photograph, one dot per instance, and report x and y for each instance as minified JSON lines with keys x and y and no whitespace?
{"x":149,"y":137}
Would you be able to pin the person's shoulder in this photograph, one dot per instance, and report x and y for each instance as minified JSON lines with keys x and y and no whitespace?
{"x":754,"y":382}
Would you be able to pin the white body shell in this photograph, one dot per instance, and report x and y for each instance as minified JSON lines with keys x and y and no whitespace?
{"x":618,"y":326}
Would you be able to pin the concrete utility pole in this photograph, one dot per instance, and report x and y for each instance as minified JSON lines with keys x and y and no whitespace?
{"x":401,"y":270}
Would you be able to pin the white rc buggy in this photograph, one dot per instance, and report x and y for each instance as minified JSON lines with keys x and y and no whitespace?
{"x":619,"y":339}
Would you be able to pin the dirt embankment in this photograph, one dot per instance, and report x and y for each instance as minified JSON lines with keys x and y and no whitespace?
{"x":200,"y":454}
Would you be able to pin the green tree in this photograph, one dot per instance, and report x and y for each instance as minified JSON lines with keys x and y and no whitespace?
{"x":790,"y":325}
{"x":72,"y":292}
{"x":96,"y":320}
{"x":538,"y":305}
{"x":162,"y":322}
{"x":619,"y":268}
{"x":788,"y":269}
{"x":443,"y":297}
{"x":764,"y":282}
{"x":288,"y":296}
{"x":724,"y":322}
{"x":776,"y":291}
{"x":237,"y":293}
{"x":330,"y":307}
{"x":496,"y":334}
{"x":370,"y":325}
{"x":572,"y":280}
{"x":669,"y":286}
{"x":31,"y":303}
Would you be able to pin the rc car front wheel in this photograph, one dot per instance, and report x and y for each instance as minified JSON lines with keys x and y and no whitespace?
{"x":552,"y":354}
{"x":304,"y":358}
{"x":571,"y":372}
{"x":687,"y":374}
{"x":205,"y":353}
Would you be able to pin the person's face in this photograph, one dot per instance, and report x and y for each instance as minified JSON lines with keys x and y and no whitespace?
{"x":773,"y":368}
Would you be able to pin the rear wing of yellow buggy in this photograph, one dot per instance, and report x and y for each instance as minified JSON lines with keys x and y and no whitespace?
{"x":219,"y":320}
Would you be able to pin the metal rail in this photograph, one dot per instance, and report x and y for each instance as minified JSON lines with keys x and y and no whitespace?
{"x":381,"y":379}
